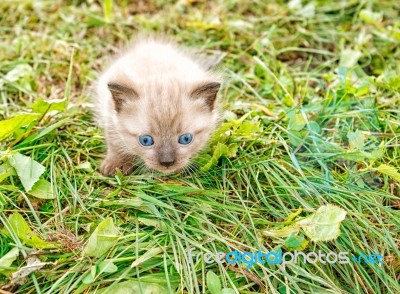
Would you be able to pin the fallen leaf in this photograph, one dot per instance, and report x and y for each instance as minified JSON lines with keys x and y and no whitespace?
{"x":86,"y":166}
{"x":42,"y":189}
{"x":7,"y":260}
{"x":146,"y":256}
{"x":297,"y":122}
{"x":9,"y":126}
{"x":21,"y":71}
{"x":107,"y":266}
{"x":102,"y":239}
{"x":134,"y":287}
{"x":33,"y":264}
{"x":6,"y":170}
{"x":44,"y":106}
{"x":28,"y":170}
{"x":24,"y":232}
{"x":213,"y":283}
{"x":356,"y":140}
{"x":349,"y":58}
{"x":324,"y":224}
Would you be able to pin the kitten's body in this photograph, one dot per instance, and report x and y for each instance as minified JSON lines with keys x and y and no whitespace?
{"x":155,"y":89}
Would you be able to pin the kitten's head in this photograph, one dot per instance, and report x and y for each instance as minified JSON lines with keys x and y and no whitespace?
{"x":165,"y":124}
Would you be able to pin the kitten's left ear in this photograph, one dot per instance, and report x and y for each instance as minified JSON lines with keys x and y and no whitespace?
{"x":207,"y":91}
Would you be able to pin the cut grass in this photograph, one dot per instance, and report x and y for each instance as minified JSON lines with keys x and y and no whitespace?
{"x":333,"y":129}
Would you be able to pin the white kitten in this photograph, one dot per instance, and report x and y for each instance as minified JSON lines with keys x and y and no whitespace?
{"x":156,"y":102}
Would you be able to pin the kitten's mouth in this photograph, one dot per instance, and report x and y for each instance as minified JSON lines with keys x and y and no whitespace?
{"x":166,"y":170}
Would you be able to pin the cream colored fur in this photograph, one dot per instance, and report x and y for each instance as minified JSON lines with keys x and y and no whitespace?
{"x":163,"y":75}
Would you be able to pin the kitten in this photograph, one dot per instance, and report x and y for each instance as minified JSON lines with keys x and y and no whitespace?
{"x":158,"y":103}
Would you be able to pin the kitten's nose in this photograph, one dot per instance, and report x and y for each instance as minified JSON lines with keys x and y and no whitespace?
{"x":167,"y":162}
{"x":166,"y":159}
{"x":166,"y":156}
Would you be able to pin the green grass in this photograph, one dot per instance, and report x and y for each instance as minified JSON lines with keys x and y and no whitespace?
{"x":319,"y":85}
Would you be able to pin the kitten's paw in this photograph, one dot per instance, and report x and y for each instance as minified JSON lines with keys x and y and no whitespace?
{"x":127,"y":168}
{"x":109,"y":166}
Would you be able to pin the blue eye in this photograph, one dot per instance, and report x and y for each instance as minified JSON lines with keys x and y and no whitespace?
{"x":146,"y":140}
{"x":185,"y":139}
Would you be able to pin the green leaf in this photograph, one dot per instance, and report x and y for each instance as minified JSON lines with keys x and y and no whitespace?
{"x":88,"y":278}
{"x":370,"y":17}
{"x":21,"y":75}
{"x":356,"y":140}
{"x":7,"y":260}
{"x":286,"y":289}
{"x":91,"y":276}
{"x":107,"y":266}
{"x":42,"y":189}
{"x":44,"y":106}
{"x":294,"y":242}
{"x":107,"y":9}
{"x":28,"y":170}
{"x":134,"y":287}
{"x":9,"y":126}
{"x":102,"y":239}
{"x":95,"y":21}
{"x":314,"y":126}
{"x":228,"y":291}
{"x":288,"y":100}
{"x":6,"y":170}
{"x":134,"y":202}
{"x":324,"y":224}
{"x":24,"y":233}
{"x":149,"y":254}
{"x":353,"y":155}
{"x":349,"y":58}
{"x":219,"y":151}
{"x":363,"y":89}
{"x":296,"y":138}
{"x":293,"y":215}
{"x":342,"y":73}
{"x":43,"y":132}
{"x":232,"y":150}
{"x":389,"y":79}
{"x":86,"y":166}
{"x":297,"y":122}
{"x":156,"y":223}
{"x":213,"y":283}
{"x":379,"y":152}
{"x":248,"y":129}
{"x":223,"y":133}
{"x":283,"y":232}
{"x":389,"y":171}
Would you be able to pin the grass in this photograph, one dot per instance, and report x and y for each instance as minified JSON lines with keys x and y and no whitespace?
{"x":317,"y":88}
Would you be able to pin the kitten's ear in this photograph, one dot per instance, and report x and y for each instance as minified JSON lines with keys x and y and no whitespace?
{"x":207,"y":91}
{"x":121,"y":93}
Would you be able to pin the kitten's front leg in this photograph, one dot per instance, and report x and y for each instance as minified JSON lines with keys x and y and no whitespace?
{"x":114,"y":161}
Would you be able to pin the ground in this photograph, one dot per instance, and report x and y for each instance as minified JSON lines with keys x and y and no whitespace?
{"x":307,"y":157}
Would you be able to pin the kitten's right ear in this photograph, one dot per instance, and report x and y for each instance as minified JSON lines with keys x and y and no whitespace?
{"x":121,"y":93}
